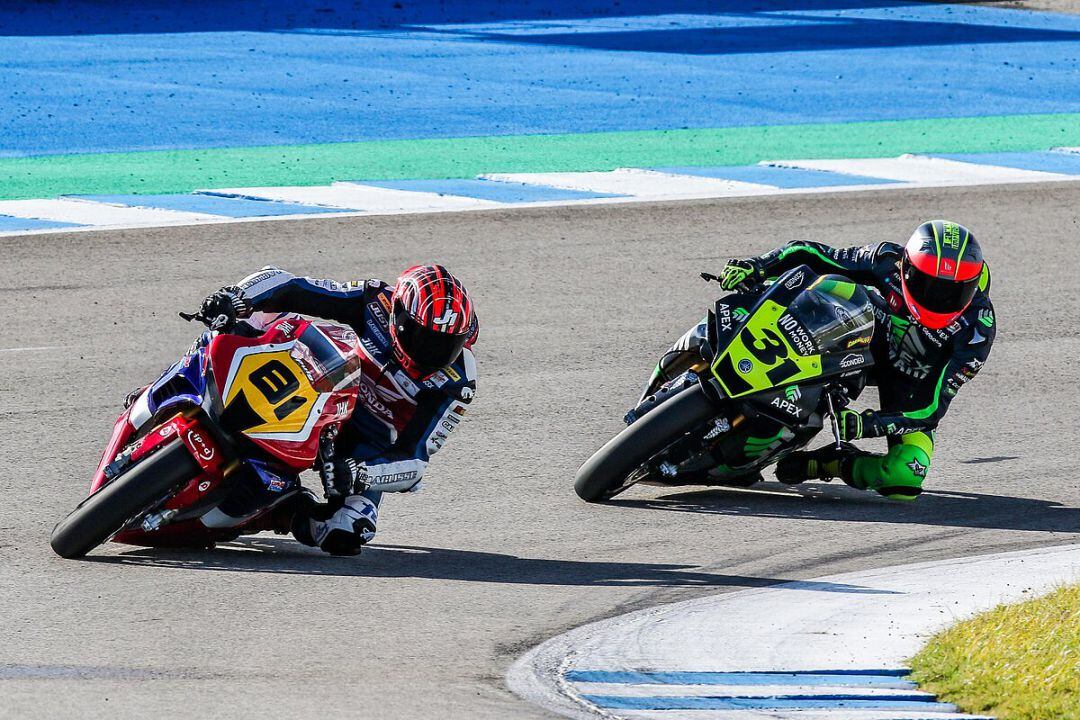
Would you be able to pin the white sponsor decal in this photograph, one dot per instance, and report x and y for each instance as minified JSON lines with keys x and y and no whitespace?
{"x":205,"y":451}
{"x":795,"y":280}
{"x":797,"y":334}
{"x":852,"y":361}
{"x":724,"y":316}
{"x":789,"y":407}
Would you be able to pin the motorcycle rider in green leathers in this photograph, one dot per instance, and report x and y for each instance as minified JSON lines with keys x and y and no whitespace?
{"x":934,"y":329}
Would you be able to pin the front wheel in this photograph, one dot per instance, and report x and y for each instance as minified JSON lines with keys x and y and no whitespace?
{"x":103,"y":514}
{"x":605,"y":473}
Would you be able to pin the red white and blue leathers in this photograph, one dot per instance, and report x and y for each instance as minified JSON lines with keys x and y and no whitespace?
{"x":399,"y":422}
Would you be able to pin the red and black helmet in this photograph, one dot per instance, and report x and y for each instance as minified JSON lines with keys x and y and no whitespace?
{"x":940,"y":272}
{"x":432,"y":320}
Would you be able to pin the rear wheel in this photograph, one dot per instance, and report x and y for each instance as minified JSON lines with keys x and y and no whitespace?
{"x":103,"y":514}
{"x":607,"y":471}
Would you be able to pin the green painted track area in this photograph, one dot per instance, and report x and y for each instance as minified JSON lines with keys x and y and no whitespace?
{"x":178,"y":171}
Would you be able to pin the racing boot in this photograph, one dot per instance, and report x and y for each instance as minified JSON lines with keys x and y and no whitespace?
{"x":825,"y":463}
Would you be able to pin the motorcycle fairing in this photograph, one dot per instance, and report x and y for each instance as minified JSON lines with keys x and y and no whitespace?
{"x":793,"y":333}
{"x":281,"y":388}
{"x":760,"y":357}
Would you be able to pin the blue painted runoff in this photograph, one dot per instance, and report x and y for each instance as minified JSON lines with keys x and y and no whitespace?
{"x":494,"y":190}
{"x":233,"y":207}
{"x":1065,"y":163}
{"x":9,"y":223}
{"x":829,"y":678}
{"x":787,"y":702}
{"x":778,"y":176}
{"x":83,"y":76}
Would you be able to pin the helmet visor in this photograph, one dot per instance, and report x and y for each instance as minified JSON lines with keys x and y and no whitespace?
{"x":939,"y":295}
{"x":431,"y":350}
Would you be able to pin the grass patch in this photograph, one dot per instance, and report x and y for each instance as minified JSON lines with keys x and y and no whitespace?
{"x":1015,"y":662}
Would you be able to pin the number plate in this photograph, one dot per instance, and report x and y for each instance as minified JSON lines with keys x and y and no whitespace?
{"x":760,"y":357}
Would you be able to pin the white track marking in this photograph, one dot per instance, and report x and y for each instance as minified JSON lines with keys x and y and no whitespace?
{"x":354,"y":199}
{"x":926,"y":171}
{"x":871,"y":620}
{"x":353,"y":196}
{"x":1071,"y":150}
{"x":29,"y":349}
{"x":639,"y":183}
{"x":86,"y":212}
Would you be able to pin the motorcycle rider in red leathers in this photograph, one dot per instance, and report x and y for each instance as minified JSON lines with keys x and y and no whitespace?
{"x":418,"y":375}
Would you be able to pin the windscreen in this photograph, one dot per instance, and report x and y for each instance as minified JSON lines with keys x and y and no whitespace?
{"x":836,"y":312}
{"x":329,"y":356}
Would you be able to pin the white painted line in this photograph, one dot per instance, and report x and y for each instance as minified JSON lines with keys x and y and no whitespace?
{"x":353,"y":196}
{"x":639,"y":183}
{"x":86,"y":212}
{"x":872,"y":620}
{"x":30,"y":349}
{"x":925,"y":170}
{"x":355,"y":199}
{"x":1071,"y":150}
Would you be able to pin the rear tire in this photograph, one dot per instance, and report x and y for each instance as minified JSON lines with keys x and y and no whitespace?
{"x":607,"y":470}
{"x":100,"y":516}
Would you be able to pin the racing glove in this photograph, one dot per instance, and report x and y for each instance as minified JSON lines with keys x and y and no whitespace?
{"x":225,"y":306}
{"x":740,"y":272}
{"x":342,"y":477}
{"x":855,"y":425}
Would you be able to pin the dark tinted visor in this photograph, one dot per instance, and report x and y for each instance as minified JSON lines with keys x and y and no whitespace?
{"x":430,"y":349}
{"x":939,"y":295}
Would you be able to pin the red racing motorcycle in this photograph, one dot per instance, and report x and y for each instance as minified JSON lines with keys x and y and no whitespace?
{"x":252,"y":404}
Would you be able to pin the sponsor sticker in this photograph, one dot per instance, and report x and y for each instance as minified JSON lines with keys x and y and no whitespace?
{"x":200,"y":445}
{"x":786,"y":405}
{"x":797,"y":334}
{"x":745,"y":366}
{"x":795,"y":280}
{"x":723,"y":314}
{"x":851,"y":361}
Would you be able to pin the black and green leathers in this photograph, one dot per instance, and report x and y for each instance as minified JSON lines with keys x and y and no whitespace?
{"x":918,"y":371}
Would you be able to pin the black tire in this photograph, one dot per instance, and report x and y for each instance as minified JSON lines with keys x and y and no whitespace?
{"x":607,"y":470}
{"x":100,"y":516}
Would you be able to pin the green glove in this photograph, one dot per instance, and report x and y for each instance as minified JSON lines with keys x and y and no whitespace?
{"x":738,"y":272}
{"x":855,"y":426}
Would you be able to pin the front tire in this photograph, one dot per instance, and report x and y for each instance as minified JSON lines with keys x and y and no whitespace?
{"x":103,"y":514}
{"x":606,"y":471}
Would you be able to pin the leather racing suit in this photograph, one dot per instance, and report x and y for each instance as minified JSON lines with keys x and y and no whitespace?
{"x":918,"y":371}
{"x":399,"y":422}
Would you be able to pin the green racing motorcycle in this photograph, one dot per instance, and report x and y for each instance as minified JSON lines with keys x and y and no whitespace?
{"x":753,"y":382}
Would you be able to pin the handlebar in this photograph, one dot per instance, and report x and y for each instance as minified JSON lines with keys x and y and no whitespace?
{"x":216,"y":323}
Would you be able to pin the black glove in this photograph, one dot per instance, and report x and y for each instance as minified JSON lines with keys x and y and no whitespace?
{"x":225,"y":306}
{"x":747,"y":272}
{"x":342,"y":477}
{"x":855,"y":426}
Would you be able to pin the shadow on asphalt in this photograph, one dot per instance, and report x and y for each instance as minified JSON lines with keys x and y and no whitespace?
{"x":280,"y":555}
{"x":737,"y":26}
{"x":823,"y":502}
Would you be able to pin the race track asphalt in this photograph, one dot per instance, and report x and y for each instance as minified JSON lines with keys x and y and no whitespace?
{"x":497,"y":553}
